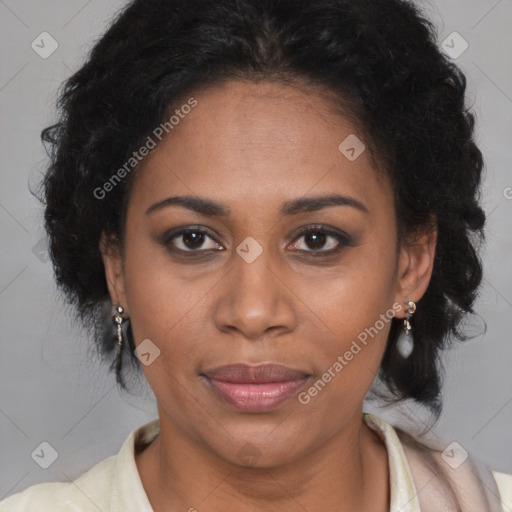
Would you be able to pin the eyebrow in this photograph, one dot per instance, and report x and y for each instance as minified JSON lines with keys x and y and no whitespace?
{"x":210,"y":208}
{"x":308,"y":204}
{"x":196,"y":204}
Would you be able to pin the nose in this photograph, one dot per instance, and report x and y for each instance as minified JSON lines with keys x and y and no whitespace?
{"x":254,"y":300}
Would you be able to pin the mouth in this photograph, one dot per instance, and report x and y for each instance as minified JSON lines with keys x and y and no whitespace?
{"x":255,"y":388}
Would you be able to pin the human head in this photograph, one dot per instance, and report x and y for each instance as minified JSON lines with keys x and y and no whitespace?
{"x":377,"y":59}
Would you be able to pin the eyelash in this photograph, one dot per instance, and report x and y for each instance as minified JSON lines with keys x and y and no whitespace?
{"x":343,"y":239}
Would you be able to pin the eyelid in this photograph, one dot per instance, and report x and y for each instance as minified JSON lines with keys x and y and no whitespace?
{"x":169,"y":236}
{"x":342,"y":238}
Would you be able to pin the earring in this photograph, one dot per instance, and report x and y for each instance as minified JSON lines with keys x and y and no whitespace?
{"x":405,"y":343}
{"x":410,"y":310}
{"x":118,"y":321}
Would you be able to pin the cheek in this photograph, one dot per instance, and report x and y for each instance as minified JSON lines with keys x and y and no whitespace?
{"x":355,"y":305}
{"x":168,"y":314}
{"x":358,"y":331}
{"x":348,"y":362}
{"x":164,"y":308}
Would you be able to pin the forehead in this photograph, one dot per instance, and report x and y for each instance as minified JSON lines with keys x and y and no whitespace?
{"x":269,"y":141}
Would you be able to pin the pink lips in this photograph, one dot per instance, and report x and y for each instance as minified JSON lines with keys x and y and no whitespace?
{"x":255,"y":388}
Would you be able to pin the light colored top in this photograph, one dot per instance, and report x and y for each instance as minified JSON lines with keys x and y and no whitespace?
{"x":114,"y":484}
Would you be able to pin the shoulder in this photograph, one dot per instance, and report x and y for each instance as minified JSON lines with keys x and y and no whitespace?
{"x":112,"y":484}
{"x":504,"y":483}
{"x":449,"y":474}
{"x":429,"y":476}
{"x":89,"y":492}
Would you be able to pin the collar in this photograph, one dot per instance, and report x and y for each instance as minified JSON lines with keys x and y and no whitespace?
{"x":404,"y":497}
{"x":128,"y":492}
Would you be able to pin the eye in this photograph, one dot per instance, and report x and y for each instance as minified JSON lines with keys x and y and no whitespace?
{"x":318,"y":239}
{"x":192,"y":240}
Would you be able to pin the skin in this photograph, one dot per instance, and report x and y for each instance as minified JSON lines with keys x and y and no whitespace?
{"x":253,"y":147}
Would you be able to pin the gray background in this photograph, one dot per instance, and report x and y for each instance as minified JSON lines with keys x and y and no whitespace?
{"x":51,"y":391}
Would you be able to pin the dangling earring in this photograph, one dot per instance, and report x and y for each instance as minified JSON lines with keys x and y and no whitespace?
{"x":118,"y":320}
{"x":405,"y":343}
{"x":410,"y":310}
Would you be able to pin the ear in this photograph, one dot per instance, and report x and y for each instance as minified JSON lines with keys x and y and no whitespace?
{"x":114,"y":271}
{"x":415,"y":266}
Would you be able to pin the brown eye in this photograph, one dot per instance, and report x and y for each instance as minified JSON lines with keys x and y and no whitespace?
{"x":192,"y":240}
{"x":315,"y":239}
{"x":320,"y":241}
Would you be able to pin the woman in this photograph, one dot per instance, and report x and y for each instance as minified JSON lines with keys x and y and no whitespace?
{"x":279,"y":201}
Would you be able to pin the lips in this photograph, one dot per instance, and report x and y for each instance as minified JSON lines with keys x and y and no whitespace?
{"x":255,"y":388}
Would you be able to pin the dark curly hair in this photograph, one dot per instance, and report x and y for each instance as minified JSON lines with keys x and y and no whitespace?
{"x":379,"y":59}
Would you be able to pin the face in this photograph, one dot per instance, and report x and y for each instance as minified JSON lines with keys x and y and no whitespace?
{"x":267,"y":285}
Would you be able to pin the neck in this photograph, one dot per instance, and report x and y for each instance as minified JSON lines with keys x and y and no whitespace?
{"x":347,"y":473}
